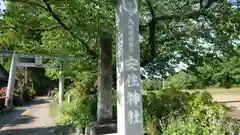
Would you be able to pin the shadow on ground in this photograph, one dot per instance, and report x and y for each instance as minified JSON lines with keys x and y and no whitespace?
{"x":22,"y":120}
{"x":59,"y":130}
{"x":235,"y":101}
{"x":36,"y":102}
{"x":10,"y":117}
{"x":30,"y":131}
{"x":16,"y":114}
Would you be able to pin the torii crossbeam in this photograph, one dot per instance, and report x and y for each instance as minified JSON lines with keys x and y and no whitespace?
{"x":38,"y":64}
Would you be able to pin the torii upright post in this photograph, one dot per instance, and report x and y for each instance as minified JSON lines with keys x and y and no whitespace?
{"x":61,"y":87}
{"x":129,"y":112}
{"x":11,"y":82}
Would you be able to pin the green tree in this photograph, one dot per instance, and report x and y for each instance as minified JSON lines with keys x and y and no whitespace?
{"x":228,"y":73}
{"x":179,"y":31}
{"x":223,"y":71}
{"x":173,"y":31}
{"x":182,"y":80}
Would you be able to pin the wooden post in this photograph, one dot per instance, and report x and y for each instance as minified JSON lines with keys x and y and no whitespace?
{"x":69,"y":98}
{"x":11,"y":82}
{"x":129,"y":104}
{"x":163,"y":83}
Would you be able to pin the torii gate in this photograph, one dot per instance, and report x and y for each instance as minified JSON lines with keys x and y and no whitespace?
{"x":38,"y":63}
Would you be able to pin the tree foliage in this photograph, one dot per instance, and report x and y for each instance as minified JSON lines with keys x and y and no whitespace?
{"x":187,"y":31}
{"x":223,"y":72}
{"x":172,"y":31}
{"x":182,"y":80}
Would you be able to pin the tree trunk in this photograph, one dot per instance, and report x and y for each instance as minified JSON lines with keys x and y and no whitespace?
{"x":104,"y":112}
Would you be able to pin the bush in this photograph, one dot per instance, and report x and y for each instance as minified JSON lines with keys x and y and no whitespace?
{"x":152,"y":85}
{"x":157,"y":105}
{"x":166,"y":112}
{"x":182,"y":80}
{"x":79,"y":112}
{"x":18,"y":99}
{"x":175,"y":112}
{"x":205,"y":120}
{"x":28,"y":93}
{"x":31,"y":93}
{"x":197,"y":126}
{"x":74,"y":93}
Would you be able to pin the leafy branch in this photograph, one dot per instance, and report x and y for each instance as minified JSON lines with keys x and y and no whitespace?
{"x":33,"y":29}
{"x":50,"y":10}
{"x":156,"y":19}
{"x":30,"y":3}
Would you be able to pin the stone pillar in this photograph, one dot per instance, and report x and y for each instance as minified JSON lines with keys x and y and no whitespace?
{"x":11,"y":82}
{"x":104,"y":111}
{"x":130,"y":115}
{"x":61,"y":87}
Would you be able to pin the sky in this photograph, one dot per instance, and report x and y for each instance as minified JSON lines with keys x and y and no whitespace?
{"x":1,"y":5}
{"x":235,"y":2}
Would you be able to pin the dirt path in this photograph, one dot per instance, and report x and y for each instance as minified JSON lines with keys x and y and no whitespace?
{"x":33,"y":119}
{"x":231,"y":100}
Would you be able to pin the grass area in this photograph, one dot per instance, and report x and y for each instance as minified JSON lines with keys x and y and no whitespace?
{"x":222,"y":94}
{"x":224,"y":91}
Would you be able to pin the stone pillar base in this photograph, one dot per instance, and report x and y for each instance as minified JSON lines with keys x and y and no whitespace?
{"x":100,"y":129}
{"x":117,"y":134}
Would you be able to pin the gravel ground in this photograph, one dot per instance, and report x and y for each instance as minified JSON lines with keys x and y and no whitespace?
{"x":33,"y":119}
{"x":232,"y":100}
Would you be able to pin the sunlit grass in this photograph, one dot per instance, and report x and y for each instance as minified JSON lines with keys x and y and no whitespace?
{"x":224,"y":91}
{"x":222,"y":94}
{"x":218,"y":90}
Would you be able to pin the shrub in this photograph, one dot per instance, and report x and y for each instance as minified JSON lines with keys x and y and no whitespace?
{"x":176,"y":112}
{"x":18,"y":99}
{"x":210,"y":121}
{"x":182,"y":80}
{"x":157,"y":105}
{"x":74,"y":93}
{"x":152,"y":85}
{"x":166,"y":112}
{"x":31,"y":93}
{"x":28,"y":93}
{"x":79,"y":112}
